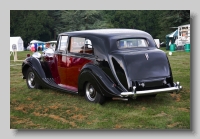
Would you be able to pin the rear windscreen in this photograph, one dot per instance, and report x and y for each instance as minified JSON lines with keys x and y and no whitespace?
{"x":128,"y":43}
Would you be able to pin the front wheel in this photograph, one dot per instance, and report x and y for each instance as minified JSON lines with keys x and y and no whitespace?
{"x":31,"y":79}
{"x":92,"y":95}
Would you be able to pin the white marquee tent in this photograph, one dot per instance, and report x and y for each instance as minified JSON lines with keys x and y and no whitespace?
{"x":17,"y":42}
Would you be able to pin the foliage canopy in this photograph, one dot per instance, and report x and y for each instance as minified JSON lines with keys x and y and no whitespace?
{"x":46,"y":25}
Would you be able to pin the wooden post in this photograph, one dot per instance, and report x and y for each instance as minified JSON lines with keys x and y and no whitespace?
{"x":14,"y":47}
{"x":15,"y":55}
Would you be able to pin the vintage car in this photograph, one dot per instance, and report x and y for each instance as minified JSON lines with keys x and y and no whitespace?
{"x":102,"y":63}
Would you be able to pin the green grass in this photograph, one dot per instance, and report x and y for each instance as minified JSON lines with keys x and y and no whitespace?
{"x":50,"y":109}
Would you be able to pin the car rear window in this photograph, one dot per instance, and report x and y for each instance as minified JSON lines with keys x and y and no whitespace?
{"x":129,"y":43}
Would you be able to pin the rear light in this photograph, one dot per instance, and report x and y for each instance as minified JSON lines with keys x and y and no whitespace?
{"x":142,"y":84}
{"x":164,"y":82}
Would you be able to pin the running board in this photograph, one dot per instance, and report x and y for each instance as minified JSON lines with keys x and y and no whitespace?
{"x":51,"y":83}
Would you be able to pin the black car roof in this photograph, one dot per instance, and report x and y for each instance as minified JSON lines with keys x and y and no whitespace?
{"x":107,"y":32}
{"x":110,"y":36}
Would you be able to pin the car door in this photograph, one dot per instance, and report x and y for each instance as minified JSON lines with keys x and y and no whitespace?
{"x":72,"y":55}
{"x":61,"y":61}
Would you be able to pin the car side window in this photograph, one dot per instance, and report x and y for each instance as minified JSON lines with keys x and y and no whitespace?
{"x":81,"y":45}
{"x":63,"y":43}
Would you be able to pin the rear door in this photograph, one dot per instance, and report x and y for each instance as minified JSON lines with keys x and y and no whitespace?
{"x":72,"y":55}
{"x":79,"y":54}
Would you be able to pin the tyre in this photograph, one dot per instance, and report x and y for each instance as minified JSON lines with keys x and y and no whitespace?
{"x":31,"y":79}
{"x":92,"y":95}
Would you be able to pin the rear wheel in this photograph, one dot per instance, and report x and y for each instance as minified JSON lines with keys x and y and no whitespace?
{"x":92,"y":95}
{"x":31,"y":79}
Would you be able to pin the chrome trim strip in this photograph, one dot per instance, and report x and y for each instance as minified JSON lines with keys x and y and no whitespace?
{"x":135,"y":93}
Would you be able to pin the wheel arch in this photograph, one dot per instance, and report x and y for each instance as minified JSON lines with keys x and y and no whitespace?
{"x":24,"y":70}
{"x":86,"y":76}
{"x":35,"y":64}
{"x":106,"y":86}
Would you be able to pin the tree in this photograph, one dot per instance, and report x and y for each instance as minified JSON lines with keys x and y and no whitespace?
{"x":82,"y":19}
{"x":124,"y":19}
{"x":57,"y":22}
{"x":31,"y":24}
{"x":46,"y":25}
{"x":172,"y":18}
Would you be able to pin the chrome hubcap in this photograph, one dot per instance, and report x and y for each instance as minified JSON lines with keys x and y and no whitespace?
{"x":31,"y":81}
{"x":90,"y":92}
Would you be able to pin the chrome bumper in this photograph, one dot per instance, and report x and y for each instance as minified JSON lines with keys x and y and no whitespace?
{"x":135,"y":93}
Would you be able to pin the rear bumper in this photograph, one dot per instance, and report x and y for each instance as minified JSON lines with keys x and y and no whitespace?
{"x":135,"y":93}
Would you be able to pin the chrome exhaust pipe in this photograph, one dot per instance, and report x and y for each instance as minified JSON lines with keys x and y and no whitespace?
{"x":119,"y":98}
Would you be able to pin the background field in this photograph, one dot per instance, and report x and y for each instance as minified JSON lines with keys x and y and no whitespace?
{"x":50,"y":109}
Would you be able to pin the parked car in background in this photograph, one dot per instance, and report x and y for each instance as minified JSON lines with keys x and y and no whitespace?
{"x":102,"y":63}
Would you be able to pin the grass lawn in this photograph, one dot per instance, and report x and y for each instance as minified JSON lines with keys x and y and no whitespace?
{"x":50,"y":109}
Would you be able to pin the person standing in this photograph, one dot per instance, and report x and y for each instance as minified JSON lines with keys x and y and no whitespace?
{"x":35,"y":47}
{"x":47,"y":45}
{"x":32,"y":48}
{"x":170,"y":42}
{"x":43,"y":47}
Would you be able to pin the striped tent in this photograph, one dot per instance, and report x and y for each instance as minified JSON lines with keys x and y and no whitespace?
{"x":173,"y":34}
